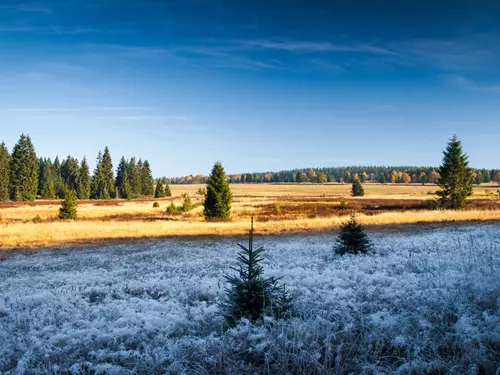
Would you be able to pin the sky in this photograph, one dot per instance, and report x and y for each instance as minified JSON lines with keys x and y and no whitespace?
{"x":259,"y":85}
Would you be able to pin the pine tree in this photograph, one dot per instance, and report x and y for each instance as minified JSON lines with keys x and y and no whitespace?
{"x":107,"y":169}
{"x":352,"y":238}
{"x":23,"y":171}
{"x":47,"y":182}
{"x":168,"y":193}
{"x":122,"y":179}
{"x":70,"y":171}
{"x":83,"y":191}
{"x":218,"y":198}
{"x":134,"y":178}
{"x":455,"y":178}
{"x":357,"y":189}
{"x":159,"y":191}
{"x":382,"y":179}
{"x":147,"y":180}
{"x":250,"y":295}
{"x":4,"y":172}
{"x":59,"y":185}
{"x":68,"y":206}
{"x":98,"y":183}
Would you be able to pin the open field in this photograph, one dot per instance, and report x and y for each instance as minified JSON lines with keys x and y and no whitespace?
{"x":422,"y":303}
{"x":284,"y":208}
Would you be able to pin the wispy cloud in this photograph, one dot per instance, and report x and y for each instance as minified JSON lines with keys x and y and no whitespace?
{"x":468,"y":84}
{"x":51,"y":30}
{"x":143,"y":118}
{"x":27,"y":8}
{"x":73,"y":110}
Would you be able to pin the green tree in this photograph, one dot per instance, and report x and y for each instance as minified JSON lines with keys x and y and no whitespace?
{"x":352,"y":238}
{"x":59,"y":185}
{"x":4,"y":172}
{"x":147,"y":180}
{"x":47,"y":180}
{"x":218,"y":198}
{"x":357,"y":189}
{"x":160,"y":190}
{"x":382,"y":179}
{"x":168,"y":192}
{"x":103,"y":182}
{"x":134,"y":178}
{"x":109,"y":176}
{"x":23,"y":171}
{"x":70,"y":171}
{"x":83,"y":191}
{"x":455,"y":178}
{"x":123,"y":180}
{"x":68,"y":206}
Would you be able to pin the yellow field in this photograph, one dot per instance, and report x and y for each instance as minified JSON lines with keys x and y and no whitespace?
{"x":35,"y":225}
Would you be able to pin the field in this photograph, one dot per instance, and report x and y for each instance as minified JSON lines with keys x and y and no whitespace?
{"x":284,"y":209}
{"x":422,"y":303}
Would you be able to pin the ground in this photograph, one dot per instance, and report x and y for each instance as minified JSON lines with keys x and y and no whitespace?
{"x":426,"y":302}
{"x":284,"y":207}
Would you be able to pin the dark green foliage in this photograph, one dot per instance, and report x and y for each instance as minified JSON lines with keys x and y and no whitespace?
{"x":147,"y":180}
{"x":83,"y":191}
{"x":357,"y":189}
{"x":59,"y":186}
{"x":134,"y":176}
{"x":382,"y":179}
{"x":23,"y":171}
{"x":4,"y":172}
{"x":109,"y":176}
{"x":168,"y":193}
{"x":123,"y":179}
{"x":455,"y":178}
{"x":352,"y":238}
{"x":68,"y":206}
{"x":103,"y":183}
{"x":218,"y":198}
{"x":70,"y":171}
{"x":156,"y":204}
{"x":160,"y":190}
{"x":250,"y":295}
{"x":47,"y":182}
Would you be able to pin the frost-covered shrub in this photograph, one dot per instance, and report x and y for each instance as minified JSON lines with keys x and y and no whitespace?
{"x":352,"y":238}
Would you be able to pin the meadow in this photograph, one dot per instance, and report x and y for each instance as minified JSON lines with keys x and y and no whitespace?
{"x":285,"y":208}
{"x":420,"y":303}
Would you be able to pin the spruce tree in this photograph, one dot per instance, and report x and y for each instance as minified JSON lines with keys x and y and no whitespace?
{"x":357,"y":189}
{"x":147,"y":180}
{"x":122,"y":179}
{"x":83,"y":191}
{"x":159,"y":191}
{"x":70,"y":170}
{"x":455,"y":178}
{"x":134,"y":178}
{"x":218,"y":198}
{"x":168,"y":192}
{"x":98,"y":184}
{"x":23,"y":171}
{"x":352,"y":238}
{"x":60,"y":187}
{"x":4,"y":172}
{"x":108,"y":174}
{"x":68,"y":206}
{"x":47,"y":183}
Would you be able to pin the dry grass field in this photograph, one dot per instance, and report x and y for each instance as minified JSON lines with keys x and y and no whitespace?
{"x":279,"y":208}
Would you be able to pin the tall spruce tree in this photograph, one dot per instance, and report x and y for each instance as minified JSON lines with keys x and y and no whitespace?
{"x":60,"y":187}
{"x":23,"y":171}
{"x":98,"y":185}
{"x":122,"y":179}
{"x":134,"y":178}
{"x":70,"y":170}
{"x":109,"y":176}
{"x":147,"y":180}
{"x":159,"y":191}
{"x":83,"y":191}
{"x":47,"y":183}
{"x":4,"y":172}
{"x":218,"y":198}
{"x":455,"y":178}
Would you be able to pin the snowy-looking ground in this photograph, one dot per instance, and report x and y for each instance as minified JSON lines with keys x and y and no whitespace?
{"x":427,"y":303}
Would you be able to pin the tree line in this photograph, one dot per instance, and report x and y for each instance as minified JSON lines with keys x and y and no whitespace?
{"x":24,"y":177}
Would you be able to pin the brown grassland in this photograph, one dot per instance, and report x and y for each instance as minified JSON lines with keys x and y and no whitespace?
{"x":281,"y":208}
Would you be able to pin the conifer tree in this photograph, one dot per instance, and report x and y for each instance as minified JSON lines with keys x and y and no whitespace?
{"x":357,"y":189}
{"x":168,"y":192}
{"x":4,"y":172}
{"x":23,"y":171}
{"x":159,"y":191}
{"x":134,"y":178}
{"x":109,"y":176}
{"x":250,"y":295}
{"x":147,"y":180}
{"x":455,"y":178}
{"x":98,"y":183}
{"x":68,"y":206}
{"x":70,"y":171}
{"x":218,"y":198}
{"x":382,"y":179}
{"x":83,"y":191}
{"x":47,"y":183}
{"x":122,"y":179}
{"x":352,"y":238}
{"x":59,"y":185}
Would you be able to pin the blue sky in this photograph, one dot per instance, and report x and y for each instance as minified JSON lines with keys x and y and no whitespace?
{"x":259,"y":85}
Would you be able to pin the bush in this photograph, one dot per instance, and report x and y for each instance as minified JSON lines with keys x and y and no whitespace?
{"x":352,"y":238}
{"x":156,"y":205}
{"x":171,"y":209}
{"x":37,"y":219}
{"x":344,"y":204}
{"x":250,"y":295}
{"x":187,"y":204}
{"x":68,"y":206}
{"x":201,"y":191}
{"x":277,"y":208}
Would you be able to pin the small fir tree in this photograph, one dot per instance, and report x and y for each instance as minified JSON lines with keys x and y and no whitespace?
{"x":168,"y":192}
{"x":23,"y":171}
{"x":357,"y":189}
{"x":250,"y":295}
{"x":455,"y":178}
{"x":352,"y":238}
{"x":4,"y":172}
{"x":68,"y":206}
{"x":160,"y":190}
{"x":218,"y":198}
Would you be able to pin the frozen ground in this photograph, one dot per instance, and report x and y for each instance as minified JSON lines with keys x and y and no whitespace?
{"x":427,"y":303}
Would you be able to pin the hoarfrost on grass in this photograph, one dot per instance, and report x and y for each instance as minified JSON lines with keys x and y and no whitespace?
{"x":421,"y":303}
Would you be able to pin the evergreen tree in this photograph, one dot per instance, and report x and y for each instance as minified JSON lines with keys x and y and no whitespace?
{"x":486,"y":176}
{"x":23,"y":171}
{"x":134,"y":178}
{"x":107,"y":169}
{"x":4,"y":172}
{"x":122,"y":179}
{"x":159,"y":191}
{"x":250,"y":295}
{"x":68,"y":206}
{"x":455,"y":178}
{"x":168,"y":193}
{"x":357,"y":189}
{"x":70,"y":171}
{"x":352,"y":238}
{"x":147,"y":180}
{"x":59,"y":185}
{"x":98,"y":184}
{"x":83,"y":191}
{"x":382,"y":179}
{"x":218,"y":198}
{"x":47,"y":183}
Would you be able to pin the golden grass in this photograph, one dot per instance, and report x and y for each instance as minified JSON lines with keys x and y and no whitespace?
{"x":24,"y":235}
